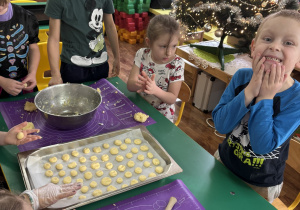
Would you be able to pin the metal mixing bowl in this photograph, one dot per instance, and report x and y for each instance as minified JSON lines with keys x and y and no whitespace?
{"x":68,"y":106}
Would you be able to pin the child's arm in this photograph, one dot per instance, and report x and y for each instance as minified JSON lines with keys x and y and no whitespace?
{"x":113,"y":40}
{"x":53,"y":50}
{"x":231,"y":108}
{"x":33,"y":63}
{"x":169,"y":96}
{"x":11,"y":86}
{"x":10,"y":137}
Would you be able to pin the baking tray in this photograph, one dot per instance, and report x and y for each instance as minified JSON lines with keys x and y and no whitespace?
{"x":171,"y":167}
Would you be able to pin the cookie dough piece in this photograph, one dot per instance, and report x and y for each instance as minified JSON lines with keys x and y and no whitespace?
{"x":79,"y":180}
{"x":124,"y":185}
{"x":93,"y":158}
{"x":146,"y":164}
{"x":134,"y":150}
{"x":119,"y":158}
{"x":111,"y":188}
{"x":140,"y":117}
{"x":109,"y":165}
{"x":93,"y":184}
{"x":84,"y":189}
{"x":150,"y":155}
{"x":119,"y":180}
{"x":59,"y":166}
{"x":118,"y":142}
{"x":97,"y":149}
{"x":49,"y":173}
{"x":123,"y":147}
{"x":72,"y":165}
{"x":137,"y":141}
{"x":97,"y":193}
{"x":141,"y":157}
{"x":129,"y":155}
{"x":29,"y":106}
{"x":54,"y":180}
{"x":88,"y":175}
{"x":121,"y":168}
{"x":81,"y":197}
{"x":67,"y":180}
{"x":105,"y":158}
{"x":144,"y":148}
{"x":113,"y":173}
{"x":142,"y":178}
{"x":155,"y":161}
{"x":95,"y":165}
{"x":105,"y":145}
{"x":138,"y":170}
{"x":82,"y":159}
{"x":114,"y":151}
{"x":73,"y":173}
{"x":99,"y":173}
{"x":106,"y":181}
{"x":128,"y":174}
{"x":61,"y":173}
{"x":29,"y":126}
{"x":134,"y":181}
{"x":130,"y":163}
{"x":86,"y":150}
{"x":53,"y":160}
{"x":127,"y":141}
{"x":65,"y":157}
{"x":20,"y":135}
{"x":152,"y":174}
{"x":159,"y":169}
{"x":75,"y":153}
{"x":47,"y":165}
{"x":82,"y":168}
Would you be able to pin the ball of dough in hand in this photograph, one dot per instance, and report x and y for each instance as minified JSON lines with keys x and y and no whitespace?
{"x":20,"y":135}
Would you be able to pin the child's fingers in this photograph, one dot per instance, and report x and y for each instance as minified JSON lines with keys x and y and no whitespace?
{"x":29,"y":131}
{"x":29,"y":138}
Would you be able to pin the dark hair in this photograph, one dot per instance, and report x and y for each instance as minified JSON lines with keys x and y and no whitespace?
{"x":10,"y":201}
{"x":162,"y":24}
{"x":3,"y":2}
{"x":293,"y":14}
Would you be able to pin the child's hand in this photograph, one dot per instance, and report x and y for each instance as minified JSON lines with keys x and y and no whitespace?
{"x":141,"y":82}
{"x":253,"y":88}
{"x":12,"y":86}
{"x":151,"y":87}
{"x":11,"y":136}
{"x":30,"y":82}
{"x":55,"y":80}
{"x":272,"y":82}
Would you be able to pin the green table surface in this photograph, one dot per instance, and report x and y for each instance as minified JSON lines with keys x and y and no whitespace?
{"x":210,"y":181}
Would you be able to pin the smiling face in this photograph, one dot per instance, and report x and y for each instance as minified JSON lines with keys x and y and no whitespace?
{"x":279,"y":42}
{"x":163,"y":48}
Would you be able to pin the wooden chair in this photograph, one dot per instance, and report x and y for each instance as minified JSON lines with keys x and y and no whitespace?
{"x":184,"y":95}
{"x":41,"y":80}
{"x":294,"y":162}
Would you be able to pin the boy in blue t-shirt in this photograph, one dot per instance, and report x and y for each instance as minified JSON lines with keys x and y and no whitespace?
{"x":259,"y":110}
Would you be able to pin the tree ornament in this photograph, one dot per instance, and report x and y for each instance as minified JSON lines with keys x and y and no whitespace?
{"x":229,"y":20}
{"x":258,"y":16}
{"x":264,"y":4}
{"x":207,"y":27}
{"x":218,"y":33}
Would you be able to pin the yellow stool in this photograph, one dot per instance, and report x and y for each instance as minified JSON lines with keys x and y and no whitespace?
{"x":43,"y":35}
{"x":41,"y":80}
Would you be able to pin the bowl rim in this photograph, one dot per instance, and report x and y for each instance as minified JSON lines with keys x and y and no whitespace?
{"x":65,"y":84}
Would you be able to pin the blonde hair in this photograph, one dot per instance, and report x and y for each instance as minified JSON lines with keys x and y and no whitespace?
{"x":9,"y":201}
{"x":292,"y":14}
{"x":162,"y":24}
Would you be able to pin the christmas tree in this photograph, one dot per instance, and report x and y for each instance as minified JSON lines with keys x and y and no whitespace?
{"x":238,"y":18}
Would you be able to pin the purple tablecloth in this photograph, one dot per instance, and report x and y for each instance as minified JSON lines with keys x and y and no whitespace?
{"x":115,"y":112}
{"x":158,"y":199}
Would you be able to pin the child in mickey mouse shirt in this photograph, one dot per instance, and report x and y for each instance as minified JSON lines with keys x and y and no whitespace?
{"x":157,"y":72}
